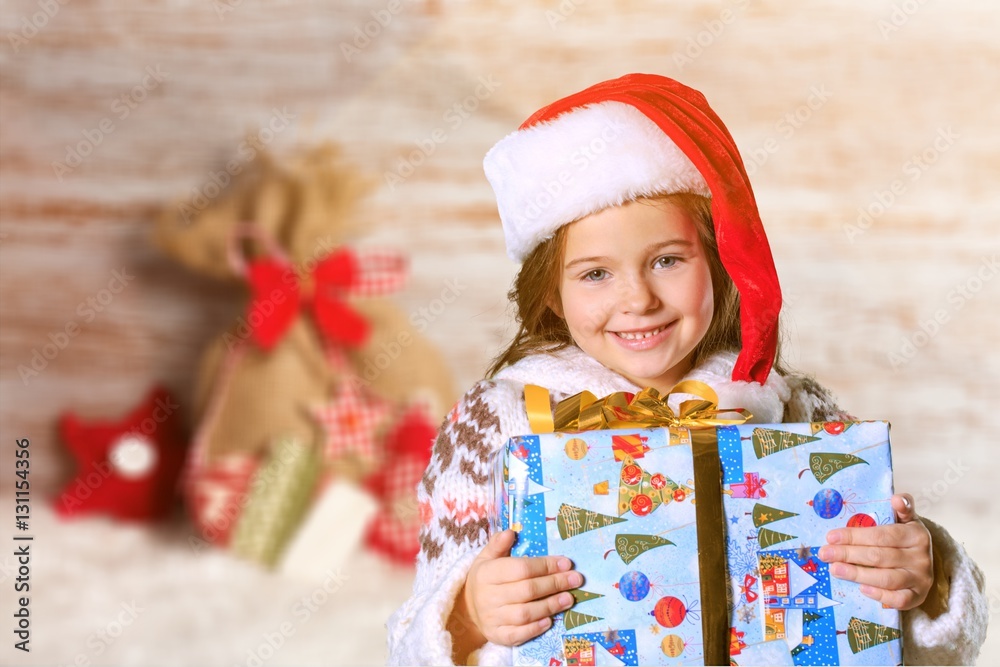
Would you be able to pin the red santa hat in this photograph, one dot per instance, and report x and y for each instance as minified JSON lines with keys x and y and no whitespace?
{"x":636,"y":136}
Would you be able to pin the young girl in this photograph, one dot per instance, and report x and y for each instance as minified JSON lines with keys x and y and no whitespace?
{"x":644,"y":263}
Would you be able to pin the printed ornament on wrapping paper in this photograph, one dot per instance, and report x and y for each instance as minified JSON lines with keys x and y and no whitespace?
{"x":128,"y":468}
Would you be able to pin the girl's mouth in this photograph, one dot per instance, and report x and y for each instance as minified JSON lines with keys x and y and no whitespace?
{"x":642,"y":339}
{"x":639,"y":335}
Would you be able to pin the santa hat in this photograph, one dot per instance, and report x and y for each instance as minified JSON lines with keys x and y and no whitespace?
{"x":635,"y":136}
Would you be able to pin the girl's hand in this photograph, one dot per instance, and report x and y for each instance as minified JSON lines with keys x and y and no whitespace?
{"x":512,"y":600}
{"x":893,"y":564}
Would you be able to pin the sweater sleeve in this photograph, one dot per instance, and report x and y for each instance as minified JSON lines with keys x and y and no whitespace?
{"x":949,"y":628}
{"x":454,"y":498}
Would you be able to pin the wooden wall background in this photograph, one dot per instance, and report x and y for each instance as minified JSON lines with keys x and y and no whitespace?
{"x":895,"y":75}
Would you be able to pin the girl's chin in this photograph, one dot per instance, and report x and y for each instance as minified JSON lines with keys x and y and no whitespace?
{"x":662,"y":379}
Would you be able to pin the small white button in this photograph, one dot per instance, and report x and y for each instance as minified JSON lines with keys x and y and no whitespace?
{"x":133,"y":456}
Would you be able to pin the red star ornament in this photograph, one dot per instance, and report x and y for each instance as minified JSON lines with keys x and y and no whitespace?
{"x":127,"y":469}
{"x":352,"y":421}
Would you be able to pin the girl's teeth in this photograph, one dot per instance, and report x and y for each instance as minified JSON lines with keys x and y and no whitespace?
{"x":639,"y":336}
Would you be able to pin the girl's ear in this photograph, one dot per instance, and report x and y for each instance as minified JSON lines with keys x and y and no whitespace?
{"x":555,"y":305}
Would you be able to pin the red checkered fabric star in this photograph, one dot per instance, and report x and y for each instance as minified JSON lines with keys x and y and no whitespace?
{"x":395,"y":532}
{"x":353,"y":421}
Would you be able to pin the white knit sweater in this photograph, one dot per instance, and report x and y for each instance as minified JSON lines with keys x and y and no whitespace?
{"x":455,"y":494}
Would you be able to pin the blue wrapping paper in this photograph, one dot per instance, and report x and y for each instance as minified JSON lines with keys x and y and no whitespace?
{"x":622,"y":505}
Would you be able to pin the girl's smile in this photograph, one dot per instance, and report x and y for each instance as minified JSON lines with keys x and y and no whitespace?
{"x":636,"y":290}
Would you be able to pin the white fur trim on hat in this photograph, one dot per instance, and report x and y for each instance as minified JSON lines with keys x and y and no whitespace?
{"x":583,"y":161}
{"x":766,"y":402}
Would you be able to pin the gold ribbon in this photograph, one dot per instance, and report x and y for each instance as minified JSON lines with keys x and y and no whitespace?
{"x":585,"y":412}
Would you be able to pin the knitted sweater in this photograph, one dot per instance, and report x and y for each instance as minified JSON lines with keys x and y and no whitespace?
{"x":455,"y":493}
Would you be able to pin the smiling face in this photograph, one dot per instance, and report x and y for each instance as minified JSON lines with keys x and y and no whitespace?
{"x":635,"y":290}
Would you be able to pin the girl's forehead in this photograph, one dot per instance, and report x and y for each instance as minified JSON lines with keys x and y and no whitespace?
{"x":632,"y":224}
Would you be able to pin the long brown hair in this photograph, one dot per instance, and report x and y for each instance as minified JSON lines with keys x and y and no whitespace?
{"x":537,"y":285}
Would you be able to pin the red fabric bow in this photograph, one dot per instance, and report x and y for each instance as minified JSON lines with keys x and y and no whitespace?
{"x":276,"y":297}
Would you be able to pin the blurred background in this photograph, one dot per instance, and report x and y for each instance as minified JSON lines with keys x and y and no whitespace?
{"x":868,"y":130}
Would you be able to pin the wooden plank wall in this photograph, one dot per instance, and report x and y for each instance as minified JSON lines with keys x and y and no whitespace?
{"x":830,"y":102}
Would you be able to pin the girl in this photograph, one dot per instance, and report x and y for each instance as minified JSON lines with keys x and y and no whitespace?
{"x":644,"y":263}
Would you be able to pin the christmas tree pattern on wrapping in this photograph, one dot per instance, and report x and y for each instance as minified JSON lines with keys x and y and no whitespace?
{"x":763,"y":515}
{"x":280,"y":493}
{"x":760,"y":524}
{"x":641,"y":492}
{"x":767,"y":441}
{"x":825,"y":465}
{"x":862,"y":635}
{"x":630,"y":546}
{"x":574,"y":619}
{"x":580,"y":595}
{"x":768,"y":538}
{"x":572,"y":521}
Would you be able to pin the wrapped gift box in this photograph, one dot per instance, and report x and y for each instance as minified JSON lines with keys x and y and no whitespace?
{"x":663,"y":584}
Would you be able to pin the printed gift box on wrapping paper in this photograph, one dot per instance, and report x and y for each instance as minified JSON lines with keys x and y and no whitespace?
{"x":679,"y":569}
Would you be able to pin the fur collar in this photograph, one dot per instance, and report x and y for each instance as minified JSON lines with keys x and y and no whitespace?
{"x":571,"y":370}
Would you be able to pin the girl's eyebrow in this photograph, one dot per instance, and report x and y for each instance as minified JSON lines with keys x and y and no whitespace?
{"x":649,"y":250}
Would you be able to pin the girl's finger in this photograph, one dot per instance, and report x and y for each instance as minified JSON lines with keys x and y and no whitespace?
{"x":541,"y":587}
{"x":499,"y":545}
{"x":902,"y":599}
{"x":893,"y":579}
{"x":899,"y":536}
{"x":529,"y":614}
{"x":905,"y":508}
{"x":517,"y":569}
{"x":869,"y":556}
{"x":515,"y":635}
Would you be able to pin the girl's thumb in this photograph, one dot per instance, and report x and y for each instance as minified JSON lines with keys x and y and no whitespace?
{"x":499,"y":545}
{"x":904,"y":507}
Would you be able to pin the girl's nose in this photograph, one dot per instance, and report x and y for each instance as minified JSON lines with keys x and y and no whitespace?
{"x":638,"y":296}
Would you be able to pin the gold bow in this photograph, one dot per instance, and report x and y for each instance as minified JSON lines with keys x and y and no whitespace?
{"x":585,"y":412}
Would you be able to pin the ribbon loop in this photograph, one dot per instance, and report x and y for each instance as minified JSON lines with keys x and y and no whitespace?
{"x":585,"y":412}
